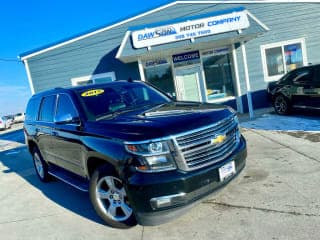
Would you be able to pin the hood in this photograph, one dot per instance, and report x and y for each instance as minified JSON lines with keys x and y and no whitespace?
{"x":161,"y":121}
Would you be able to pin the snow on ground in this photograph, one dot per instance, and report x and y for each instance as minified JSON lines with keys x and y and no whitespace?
{"x":271,"y":121}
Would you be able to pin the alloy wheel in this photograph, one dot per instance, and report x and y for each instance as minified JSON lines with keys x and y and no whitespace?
{"x":38,"y":165}
{"x":112,"y":198}
{"x":280,"y":105}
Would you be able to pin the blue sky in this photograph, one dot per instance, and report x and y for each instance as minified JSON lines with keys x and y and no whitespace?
{"x":27,"y":25}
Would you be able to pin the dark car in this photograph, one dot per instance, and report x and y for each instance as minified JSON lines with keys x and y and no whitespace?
{"x":142,"y":156}
{"x":299,"y":88}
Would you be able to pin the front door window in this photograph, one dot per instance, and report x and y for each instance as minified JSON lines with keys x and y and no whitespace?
{"x":188,"y":84}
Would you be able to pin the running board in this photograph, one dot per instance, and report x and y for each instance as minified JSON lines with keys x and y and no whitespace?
{"x":70,"y":178}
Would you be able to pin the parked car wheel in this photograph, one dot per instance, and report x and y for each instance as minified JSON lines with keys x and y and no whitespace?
{"x":40,"y":166}
{"x":281,"y":105}
{"x":109,"y":198}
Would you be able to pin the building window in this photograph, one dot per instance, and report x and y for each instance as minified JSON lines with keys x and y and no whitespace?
{"x":218,"y":74}
{"x":280,"y":58}
{"x":92,"y":79}
{"x":158,"y":72}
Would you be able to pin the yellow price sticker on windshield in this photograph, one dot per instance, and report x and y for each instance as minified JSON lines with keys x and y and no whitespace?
{"x":91,"y":93}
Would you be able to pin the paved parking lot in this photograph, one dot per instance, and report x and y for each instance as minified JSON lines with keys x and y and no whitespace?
{"x":275,"y":197}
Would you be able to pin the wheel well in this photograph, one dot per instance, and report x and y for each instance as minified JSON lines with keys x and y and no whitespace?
{"x":280,"y":94}
{"x":31,"y":145}
{"x":93,"y":163}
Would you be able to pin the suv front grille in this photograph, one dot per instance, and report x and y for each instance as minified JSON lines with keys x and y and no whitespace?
{"x":208,"y":145}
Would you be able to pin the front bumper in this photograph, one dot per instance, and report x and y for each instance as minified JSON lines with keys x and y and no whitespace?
{"x":183,"y":188}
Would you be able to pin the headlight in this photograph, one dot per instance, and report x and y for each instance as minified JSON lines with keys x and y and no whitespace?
{"x":238,"y":133}
{"x":236,"y":119}
{"x":232,"y":110}
{"x":152,"y":156}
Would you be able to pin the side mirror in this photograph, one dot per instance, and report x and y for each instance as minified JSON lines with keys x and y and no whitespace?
{"x":67,"y":119}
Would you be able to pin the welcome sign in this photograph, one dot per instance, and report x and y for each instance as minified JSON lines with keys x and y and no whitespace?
{"x":190,"y":29}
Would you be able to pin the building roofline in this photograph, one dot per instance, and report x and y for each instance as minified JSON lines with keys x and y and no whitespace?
{"x":91,"y":32}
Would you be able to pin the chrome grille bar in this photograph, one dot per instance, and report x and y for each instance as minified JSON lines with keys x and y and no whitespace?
{"x":205,"y":133}
{"x":197,"y":150}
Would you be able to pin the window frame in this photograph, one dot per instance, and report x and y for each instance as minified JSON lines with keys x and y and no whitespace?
{"x":281,"y":44}
{"x":216,"y":52}
{"x":168,"y":62}
{"x":76,"y":80}
{"x":57,"y":104}
{"x":54,"y":108}
{"x":304,"y":71}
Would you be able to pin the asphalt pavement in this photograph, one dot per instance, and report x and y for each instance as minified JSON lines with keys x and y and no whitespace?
{"x":275,"y":197}
{"x":14,"y":136}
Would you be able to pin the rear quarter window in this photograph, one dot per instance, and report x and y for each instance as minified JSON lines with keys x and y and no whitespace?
{"x":32,"y":109}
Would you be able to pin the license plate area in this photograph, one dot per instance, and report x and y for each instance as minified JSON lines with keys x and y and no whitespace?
{"x":227,"y":171}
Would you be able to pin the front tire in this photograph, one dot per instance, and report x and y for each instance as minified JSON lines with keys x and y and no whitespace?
{"x":40,"y":166}
{"x":281,"y":105}
{"x":109,"y":198}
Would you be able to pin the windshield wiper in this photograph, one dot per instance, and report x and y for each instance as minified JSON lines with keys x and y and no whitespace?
{"x":129,"y":109}
{"x":153,"y":106}
{"x":114,"y":114}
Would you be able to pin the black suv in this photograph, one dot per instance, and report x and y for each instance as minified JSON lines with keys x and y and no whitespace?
{"x":299,"y":88}
{"x":142,"y":156}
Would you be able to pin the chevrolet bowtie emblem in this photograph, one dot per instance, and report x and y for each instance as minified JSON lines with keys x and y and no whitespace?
{"x":218,"y":139}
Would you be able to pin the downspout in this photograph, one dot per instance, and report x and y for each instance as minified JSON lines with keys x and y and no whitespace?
{"x":237,"y":78}
{"x":246,"y":75}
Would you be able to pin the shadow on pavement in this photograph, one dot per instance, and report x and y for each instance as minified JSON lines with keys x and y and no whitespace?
{"x":18,"y":160}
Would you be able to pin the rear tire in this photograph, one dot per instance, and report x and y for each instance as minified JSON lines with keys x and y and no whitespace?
{"x":109,"y":199}
{"x":281,"y":105}
{"x":40,"y":166}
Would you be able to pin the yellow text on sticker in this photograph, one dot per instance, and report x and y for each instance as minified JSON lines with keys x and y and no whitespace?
{"x":91,"y":93}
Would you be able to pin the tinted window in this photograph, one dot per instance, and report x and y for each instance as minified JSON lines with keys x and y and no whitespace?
{"x":287,"y":79}
{"x":303,"y":75}
{"x":111,"y":98}
{"x":47,"y":109}
{"x":316,"y":77}
{"x":65,"y":108}
{"x":32,"y":109}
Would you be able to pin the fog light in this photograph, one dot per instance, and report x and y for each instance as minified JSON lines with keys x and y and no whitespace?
{"x":166,"y":201}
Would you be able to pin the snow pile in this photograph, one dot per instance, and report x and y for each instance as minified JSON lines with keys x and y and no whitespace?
{"x":284,"y":123}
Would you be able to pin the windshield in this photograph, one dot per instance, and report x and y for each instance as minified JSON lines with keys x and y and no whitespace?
{"x":104,"y":100}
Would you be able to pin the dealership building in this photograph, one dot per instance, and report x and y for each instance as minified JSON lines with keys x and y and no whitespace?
{"x":208,"y":51}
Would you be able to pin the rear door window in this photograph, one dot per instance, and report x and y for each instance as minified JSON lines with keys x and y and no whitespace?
{"x":47,"y":108}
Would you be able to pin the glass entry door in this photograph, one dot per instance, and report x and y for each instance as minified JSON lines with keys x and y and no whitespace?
{"x":188,"y":82}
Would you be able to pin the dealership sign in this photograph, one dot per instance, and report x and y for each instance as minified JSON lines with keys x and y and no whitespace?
{"x":190,"y":29}
{"x":182,"y":57}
